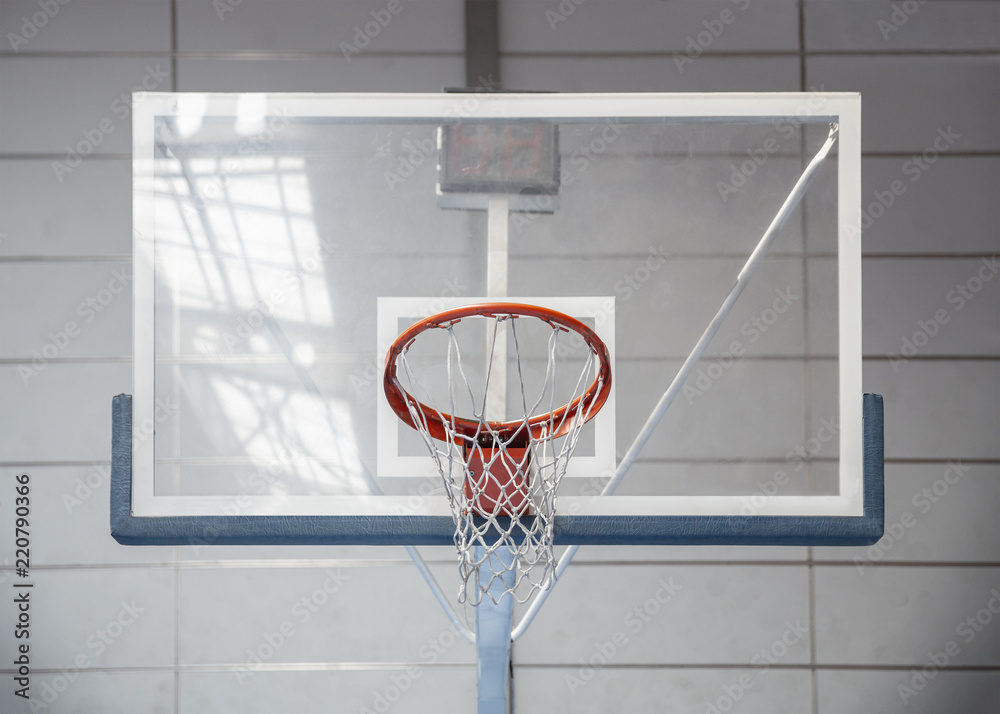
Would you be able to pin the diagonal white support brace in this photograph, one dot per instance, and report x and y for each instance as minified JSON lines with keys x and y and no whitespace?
{"x":793,"y":199}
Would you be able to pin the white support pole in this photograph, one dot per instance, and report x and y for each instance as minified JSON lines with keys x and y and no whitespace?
{"x":793,"y":199}
{"x":496,"y":287}
{"x":493,"y":621}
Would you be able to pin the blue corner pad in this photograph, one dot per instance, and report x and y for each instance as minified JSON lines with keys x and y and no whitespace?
{"x":439,"y":530}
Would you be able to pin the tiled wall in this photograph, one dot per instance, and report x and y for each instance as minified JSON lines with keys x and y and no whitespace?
{"x":166,"y":629}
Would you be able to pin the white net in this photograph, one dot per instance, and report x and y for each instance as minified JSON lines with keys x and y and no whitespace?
{"x":501,"y":475}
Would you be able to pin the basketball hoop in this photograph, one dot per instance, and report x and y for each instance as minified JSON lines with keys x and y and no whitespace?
{"x":501,"y":475}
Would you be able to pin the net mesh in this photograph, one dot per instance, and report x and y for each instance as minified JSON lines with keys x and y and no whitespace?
{"x":501,"y":477}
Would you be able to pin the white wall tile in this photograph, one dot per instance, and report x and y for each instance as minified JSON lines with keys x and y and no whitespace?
{"x":947,"y":207}
{"x":946,"y":522}
{"x":884,"y":25}
{"x":718,"y":614}
{"x":107,"y":692}
{"x":754,"y":410}
{"x":919,"y":305}
{"x":938,"y":410}
{"x":362,"y":74}
{"x":685,"y":293}
{"x":70,"y":518}
{"x":637,"y":26}
{"x":906,"y":100}
{"x":317,"y":26}
{"x":650,"y":74}
{"x":824,"y":306}
{"x":618,"y":205}
{"x":367,"y":614}
{"x":439,"y":689}
{"x":65,"y":310}
{"x":51,"y":103}
{"x":88,"y":213}
{"x":901,"y":615}
{"x":849,"y":692}
{"x":90,"y":26}
{"x":107,"y":617}
{"x":562,"y":690}
{"x":62,"y":412}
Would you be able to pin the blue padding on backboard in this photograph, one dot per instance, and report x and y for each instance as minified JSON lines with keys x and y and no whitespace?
{"x":439,"y":530}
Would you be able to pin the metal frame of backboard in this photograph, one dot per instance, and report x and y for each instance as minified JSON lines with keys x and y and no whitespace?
{"x":854,"y":517}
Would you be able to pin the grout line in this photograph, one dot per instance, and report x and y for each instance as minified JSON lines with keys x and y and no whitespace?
{"x":110,"y":258}
{"x":900,"y":154}
{"x":249,"y":55}
{"x":813,"y":679}
{"x":273,"y":359}
{"x":980,"y":461}
{"x":723,"y":54}
{"x":173,"y":88}
{"x":177,"y":631}
{"x":264,"y":667}
{"x":789,"y":666}
{"x":127,"y":257}
{"x":807,"y":377}
{"x":802,"y":51}
{"x":309,"y":564}
{"x":966,"y":154}
{"x":460,"y":53}
{"x":393,"y":666}
{"x":984,"y":461}
{"x":46,"y":155}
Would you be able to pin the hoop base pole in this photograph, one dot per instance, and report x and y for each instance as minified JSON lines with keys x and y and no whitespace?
{"x":493,"y":623}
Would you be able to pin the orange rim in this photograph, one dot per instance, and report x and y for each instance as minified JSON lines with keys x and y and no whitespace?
{"x":590,"y":402}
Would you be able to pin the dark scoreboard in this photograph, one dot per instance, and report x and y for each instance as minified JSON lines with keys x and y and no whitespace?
{"x":490,"y":157}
